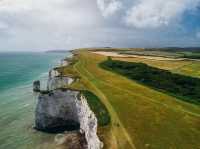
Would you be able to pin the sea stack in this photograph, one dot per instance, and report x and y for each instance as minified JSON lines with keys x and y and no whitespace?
{"x":36,"y":86}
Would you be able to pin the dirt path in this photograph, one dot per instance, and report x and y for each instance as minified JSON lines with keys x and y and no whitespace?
{"x":151,"y":100}
{"x":115,"y":118}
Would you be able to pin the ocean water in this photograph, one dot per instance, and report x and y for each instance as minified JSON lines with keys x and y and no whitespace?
{"x":17,"y":101}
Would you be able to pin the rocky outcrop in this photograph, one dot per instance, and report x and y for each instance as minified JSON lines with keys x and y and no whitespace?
{"x":56,"y":111}
{"x":55,"y":80}
{"x":60,"y":110}
{"x":64,"y":109}
{"x":53,"y":73}
{"x":58,"y":82}
{"x":36,"y":86}
{"x":64,"y":62}
{"x":88,"y":124}
{"x":71,"y":140}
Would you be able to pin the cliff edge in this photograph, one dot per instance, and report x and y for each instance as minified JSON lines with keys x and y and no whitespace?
{"x":66,"y":110}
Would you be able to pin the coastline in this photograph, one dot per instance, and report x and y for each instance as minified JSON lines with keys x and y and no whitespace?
{"x":17,"y":106}
{"x":65,"y":111}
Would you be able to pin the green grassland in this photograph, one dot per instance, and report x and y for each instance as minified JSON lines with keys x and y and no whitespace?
{"x":188,"y":53}
{"x":185,"y":87}
{"x":141,"y":117}
{"x":185,"y":67}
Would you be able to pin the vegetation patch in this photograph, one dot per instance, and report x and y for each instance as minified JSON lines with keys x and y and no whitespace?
{"x":183,"y":86}
{"x":98,"y":108}
{"x":191,"y":55}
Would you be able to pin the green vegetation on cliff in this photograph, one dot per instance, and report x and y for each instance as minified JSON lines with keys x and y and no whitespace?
{"x":97,"y":107}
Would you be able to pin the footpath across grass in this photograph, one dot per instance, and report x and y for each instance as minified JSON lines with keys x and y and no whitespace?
{"x":141,"y":117}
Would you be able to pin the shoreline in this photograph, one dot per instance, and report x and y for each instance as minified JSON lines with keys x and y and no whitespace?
{"x":72,"y":113}
{"x":18,"y":104}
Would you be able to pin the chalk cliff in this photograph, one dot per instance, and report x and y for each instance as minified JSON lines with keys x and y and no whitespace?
{"x":88,"y":124}
{"x":58,"y":82}
{"x":67,"y":111}
{"x":60,"y":110}
{"x":64,"y":109}
{"x":55,"y":80}
{"x":56,"y":111}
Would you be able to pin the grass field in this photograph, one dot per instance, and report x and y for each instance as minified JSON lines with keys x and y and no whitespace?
{"x":185,"y":67}
{"x":140,"y":117}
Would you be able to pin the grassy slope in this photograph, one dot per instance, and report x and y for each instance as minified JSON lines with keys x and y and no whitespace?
{"x":192,"y":69}
{"x":141,"y":117}
{"x":98,"y":108}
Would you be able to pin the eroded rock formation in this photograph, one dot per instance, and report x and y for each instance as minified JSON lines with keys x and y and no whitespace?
{"x":88,"y":124}
{"x":56,"y":111}
{"x":58,"y":82}
{"x":64,"y":109}
{"x":36,"y":86}
{"x":60,"y":110}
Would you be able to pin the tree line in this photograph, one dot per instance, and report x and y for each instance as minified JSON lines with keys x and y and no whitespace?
{"x":185,"y":87}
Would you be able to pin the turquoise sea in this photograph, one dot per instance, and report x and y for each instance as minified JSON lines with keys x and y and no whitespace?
{"x":17,"y":101}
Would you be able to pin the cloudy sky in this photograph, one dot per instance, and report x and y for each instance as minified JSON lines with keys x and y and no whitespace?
{"x":67,"y":24}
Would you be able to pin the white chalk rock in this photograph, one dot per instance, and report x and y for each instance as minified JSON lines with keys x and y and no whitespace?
{"x":62,"y":109}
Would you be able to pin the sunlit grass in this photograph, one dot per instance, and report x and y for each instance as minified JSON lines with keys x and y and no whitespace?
{"x":140,"y":117}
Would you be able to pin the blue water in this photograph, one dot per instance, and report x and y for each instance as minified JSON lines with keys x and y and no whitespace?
{"x":17,"y":101}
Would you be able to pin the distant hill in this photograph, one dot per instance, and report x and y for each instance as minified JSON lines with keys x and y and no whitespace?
{"x":181,"y":49}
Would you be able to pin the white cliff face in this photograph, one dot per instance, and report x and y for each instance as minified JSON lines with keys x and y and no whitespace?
{"x":53,"y":73}
{"x":56,"y":111}
{"x":55,"y":81}
{"x":88,"y":124}
{"x":63,"y":109}
{"x":64,"y":63}
{"x":58,"y":82}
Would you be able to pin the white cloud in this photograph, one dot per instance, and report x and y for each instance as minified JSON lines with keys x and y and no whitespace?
{"x":54,"y":24}
{"x":36,"y":24}
{"x":156,"y":13}
{"x":108,"y":7}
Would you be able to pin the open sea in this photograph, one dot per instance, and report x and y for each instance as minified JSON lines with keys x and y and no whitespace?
{"x":17,"y":101}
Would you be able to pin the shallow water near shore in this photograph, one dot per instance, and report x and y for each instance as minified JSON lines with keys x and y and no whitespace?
{"x":17,"y":101}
